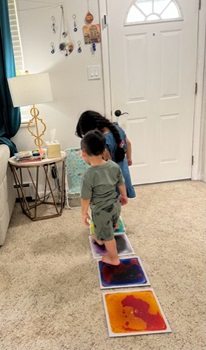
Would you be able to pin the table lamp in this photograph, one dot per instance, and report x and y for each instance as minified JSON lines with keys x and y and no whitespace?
{"x":29,"y":90}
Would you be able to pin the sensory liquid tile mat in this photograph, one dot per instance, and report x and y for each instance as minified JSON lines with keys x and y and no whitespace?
{"x":134,"y":312}
{"x":130,"y":273}
{"x":123,"y":247}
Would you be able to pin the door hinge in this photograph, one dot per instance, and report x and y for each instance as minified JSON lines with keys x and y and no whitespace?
{"x":200,"y":4}
{"x":195,"y":88}
{"x":192,"y":160}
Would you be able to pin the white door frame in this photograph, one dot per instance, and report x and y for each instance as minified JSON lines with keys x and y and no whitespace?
{"x":201,"y":57}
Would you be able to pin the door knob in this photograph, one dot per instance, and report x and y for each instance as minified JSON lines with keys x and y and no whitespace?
{"x":118,"y":113}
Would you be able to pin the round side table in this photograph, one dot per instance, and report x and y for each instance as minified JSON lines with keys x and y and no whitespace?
{"x":46,"y":204}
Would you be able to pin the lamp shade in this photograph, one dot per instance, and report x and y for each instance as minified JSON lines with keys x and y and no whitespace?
{"x":30,"y":89}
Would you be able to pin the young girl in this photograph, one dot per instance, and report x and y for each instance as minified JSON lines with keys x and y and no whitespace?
{"x":117,"y":143}
{"x":99,"y":192}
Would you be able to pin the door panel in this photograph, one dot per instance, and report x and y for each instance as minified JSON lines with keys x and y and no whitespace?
{"x":170,"y":64}
{"x":153,"y":68}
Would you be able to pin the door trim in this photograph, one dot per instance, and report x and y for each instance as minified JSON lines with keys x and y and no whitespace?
{"x":198,"y":108}
{"x":105,"y":59}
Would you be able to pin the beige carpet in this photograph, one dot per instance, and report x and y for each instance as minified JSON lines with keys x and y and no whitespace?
{"x":49,"y":289}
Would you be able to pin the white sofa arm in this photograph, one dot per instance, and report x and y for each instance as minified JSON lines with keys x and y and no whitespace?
{"x":7,"y":192}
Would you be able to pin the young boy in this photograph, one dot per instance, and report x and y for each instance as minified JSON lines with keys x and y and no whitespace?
{"x":99,"y":192}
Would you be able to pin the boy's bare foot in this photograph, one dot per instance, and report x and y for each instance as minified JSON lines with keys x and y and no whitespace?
{"x":108,"y":260}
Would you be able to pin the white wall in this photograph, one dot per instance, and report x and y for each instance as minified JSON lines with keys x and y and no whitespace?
{"x":73,"y":93}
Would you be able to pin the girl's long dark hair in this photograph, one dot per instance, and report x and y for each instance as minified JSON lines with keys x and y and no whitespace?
{"x":91,"y":120}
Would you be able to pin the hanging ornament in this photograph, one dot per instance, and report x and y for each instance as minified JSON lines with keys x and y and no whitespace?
{"x":79,"y":50}
{"x":64,"y":30}
{"x":70,"y":47}
{"x":65,"y":47}
{"x":64,"y":34}
{"x":89,"y":17}
{"x":63,"y":24}
{"x":53,"y":26}
{"x":62,"y":46}
{"x":75,"y":23}
{"x":94,"y":47}
{"x":52,"y":48}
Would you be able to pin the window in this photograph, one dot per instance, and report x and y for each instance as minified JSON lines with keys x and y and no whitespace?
{"x":143,"y":11}
{"x":18,"y":55}
{"x":17,"y":48}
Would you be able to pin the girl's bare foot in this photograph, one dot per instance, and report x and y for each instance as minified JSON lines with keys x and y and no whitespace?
{"x":108,"y":260}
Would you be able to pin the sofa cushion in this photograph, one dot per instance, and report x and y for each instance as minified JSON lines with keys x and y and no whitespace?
{"x":4,"y":223}
{"x":4,"y":156}
{"x":7,"y":192}
{"x":3,"y":194}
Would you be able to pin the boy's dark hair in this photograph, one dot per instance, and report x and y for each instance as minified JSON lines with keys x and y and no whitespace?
{"x":91,"y":120}
{"x":93,"y":143}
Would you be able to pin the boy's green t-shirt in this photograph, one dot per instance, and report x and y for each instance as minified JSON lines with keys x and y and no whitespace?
{"x":99,"y":184}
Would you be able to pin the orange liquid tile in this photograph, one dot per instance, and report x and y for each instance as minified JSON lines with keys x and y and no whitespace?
{"x":134,"y":312}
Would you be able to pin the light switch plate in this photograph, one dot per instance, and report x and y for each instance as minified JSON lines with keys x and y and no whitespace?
{"x":94,"y":72}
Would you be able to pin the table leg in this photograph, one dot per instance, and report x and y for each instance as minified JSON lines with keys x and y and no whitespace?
{"x":20,"y":190}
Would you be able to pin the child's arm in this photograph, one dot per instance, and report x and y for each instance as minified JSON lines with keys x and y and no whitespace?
{"x":123,"y":194}
{"x":129,"y":151}
{"x":84,"y":207}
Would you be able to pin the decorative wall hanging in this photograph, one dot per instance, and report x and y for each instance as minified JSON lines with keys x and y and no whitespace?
{"x":53,"y":26}
{"x":92,"y":34}
{"x":62,"y":46}
{"x":63,"y":24}
{"x":70,"y":47}
{"x":89,"y":17}
{"x":52,"y":48}
{"x":65,"y":47}
{"x":75,"y":23}
{"x":94,"y":47}
{"x":79,"y":50}
{"x":65,"y":43}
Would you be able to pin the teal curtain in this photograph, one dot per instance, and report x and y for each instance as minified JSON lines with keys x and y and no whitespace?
{"x":10,"y":117}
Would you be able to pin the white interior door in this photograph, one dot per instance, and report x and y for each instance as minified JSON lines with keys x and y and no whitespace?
{"x":153,"y":70}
